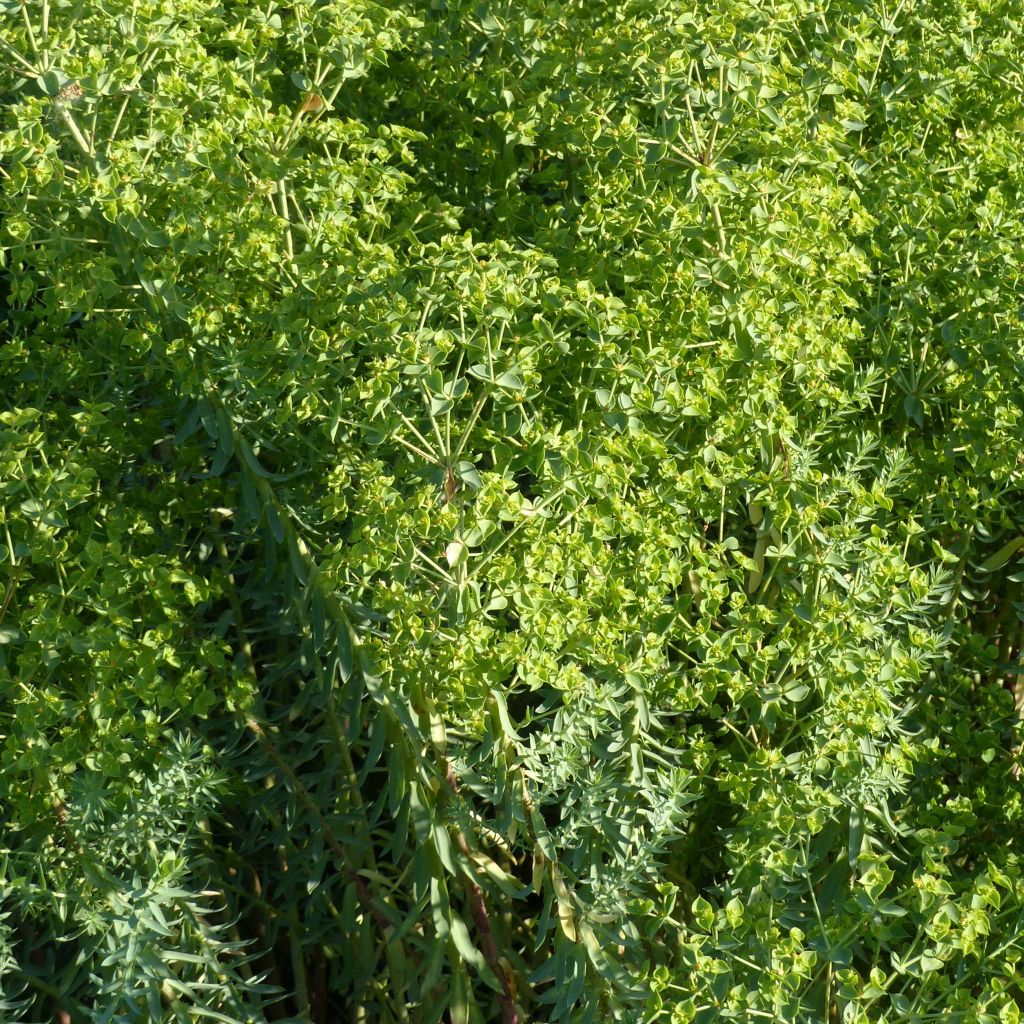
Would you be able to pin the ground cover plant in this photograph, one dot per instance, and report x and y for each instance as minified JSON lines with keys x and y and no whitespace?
{"x":511,"y":511}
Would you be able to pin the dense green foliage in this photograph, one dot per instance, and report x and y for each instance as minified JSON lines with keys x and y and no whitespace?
{"x":511,"y":511}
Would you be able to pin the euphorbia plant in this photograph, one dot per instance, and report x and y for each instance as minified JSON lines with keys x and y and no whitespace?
{"x":510,"y":513}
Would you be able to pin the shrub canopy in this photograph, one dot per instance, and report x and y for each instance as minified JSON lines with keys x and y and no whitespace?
{"x":511,"y":511}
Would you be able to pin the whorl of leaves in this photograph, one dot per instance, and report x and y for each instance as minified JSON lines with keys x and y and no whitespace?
{"x":511,"y":511}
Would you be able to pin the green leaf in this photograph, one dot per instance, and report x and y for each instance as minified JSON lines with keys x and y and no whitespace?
{"x":734,"y":912}
{"x":914,"y":409}
{"x":510,"y":380}
{"x":856,"y":840}
{"x":51,"y":83}
{"x":503,"y":717}
{"x":464,"y":944}
{"x":345,"y":649}
{"x":703,"y":913}
{"x":1003,"y":555}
